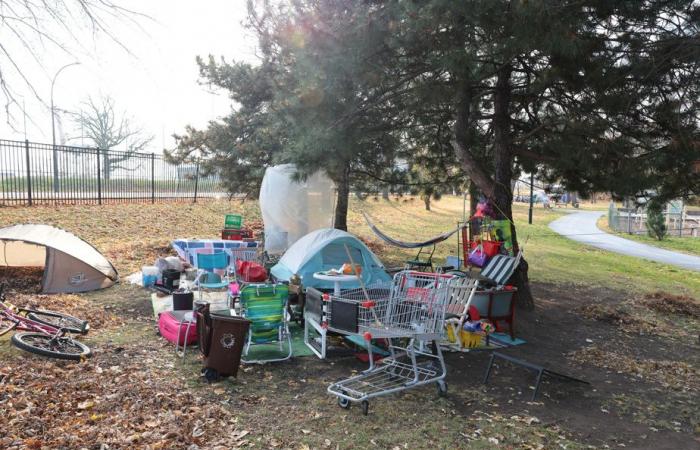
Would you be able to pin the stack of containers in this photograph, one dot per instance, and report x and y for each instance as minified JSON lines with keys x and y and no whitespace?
{"x":232,"y":228}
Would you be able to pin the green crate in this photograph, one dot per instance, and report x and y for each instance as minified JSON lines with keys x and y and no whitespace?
{"x":233,"y":222}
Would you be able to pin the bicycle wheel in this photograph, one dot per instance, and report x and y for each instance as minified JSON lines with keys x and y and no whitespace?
{"x":59,"y":320}
{"x":45,"y":345}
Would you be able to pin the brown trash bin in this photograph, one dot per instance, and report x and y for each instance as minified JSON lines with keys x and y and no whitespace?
{"x":221,"y":341}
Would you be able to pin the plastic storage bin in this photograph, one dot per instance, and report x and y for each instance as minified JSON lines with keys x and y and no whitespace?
{"x":149,"y":275}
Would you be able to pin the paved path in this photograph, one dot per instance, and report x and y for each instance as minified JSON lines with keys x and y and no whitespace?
{"x":581,"y":227}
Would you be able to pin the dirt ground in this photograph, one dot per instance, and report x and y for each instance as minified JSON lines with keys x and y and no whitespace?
{"x":135,"y":393}
{"x":639,"y":352}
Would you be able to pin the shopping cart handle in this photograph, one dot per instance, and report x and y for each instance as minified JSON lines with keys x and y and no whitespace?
{"x":369,"y":304}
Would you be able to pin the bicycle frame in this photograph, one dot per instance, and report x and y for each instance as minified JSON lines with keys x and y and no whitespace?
{"x":23,"y":323}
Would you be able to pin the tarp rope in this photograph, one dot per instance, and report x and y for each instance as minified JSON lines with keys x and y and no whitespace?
{"x":395,"y":242}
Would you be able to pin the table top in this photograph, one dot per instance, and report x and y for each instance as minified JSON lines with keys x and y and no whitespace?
{"x":339,"y":278}
{"x":224,"y":312}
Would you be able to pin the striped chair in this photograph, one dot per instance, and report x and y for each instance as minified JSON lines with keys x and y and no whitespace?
{"x":499,"y":270}
{"x":265,"y":306}
{"x":498,"y":303}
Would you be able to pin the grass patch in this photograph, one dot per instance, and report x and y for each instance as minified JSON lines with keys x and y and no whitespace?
{"x":689,"y":245}
{"x":552,"y":258}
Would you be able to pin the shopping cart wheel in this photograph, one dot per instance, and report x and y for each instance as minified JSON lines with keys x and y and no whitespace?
{"x":343,"y":403}
{"x":365,"y":407}
{"x":442,"y":388}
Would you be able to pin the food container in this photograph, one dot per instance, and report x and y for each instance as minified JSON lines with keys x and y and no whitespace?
{"x":149,"y":275}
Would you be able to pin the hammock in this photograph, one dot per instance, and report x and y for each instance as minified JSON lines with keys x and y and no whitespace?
{"x":402,"y":244}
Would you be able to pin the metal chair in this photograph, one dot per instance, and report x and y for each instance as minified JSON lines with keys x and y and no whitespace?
{"x":422,"y":264}
{"x":207,"y":263}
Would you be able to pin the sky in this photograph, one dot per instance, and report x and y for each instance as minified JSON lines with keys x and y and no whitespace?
{"x":154,"y":82}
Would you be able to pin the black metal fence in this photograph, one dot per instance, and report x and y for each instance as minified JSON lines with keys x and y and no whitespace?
{"x":32,"y":173}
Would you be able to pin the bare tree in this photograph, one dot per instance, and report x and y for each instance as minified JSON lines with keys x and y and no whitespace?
{"x":107,"y":129}
{"x":28,"y":29}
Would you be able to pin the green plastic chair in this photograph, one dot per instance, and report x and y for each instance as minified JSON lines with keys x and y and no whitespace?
{"x":265,"y":305}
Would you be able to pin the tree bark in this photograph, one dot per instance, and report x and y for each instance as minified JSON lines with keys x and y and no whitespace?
{"x":503,"y":174}
{"x":473,"y":198}
{"x":106,"y":165}
{"x":426,"y":200}
{"x":497,"y":188}
{"x":340,"y":221}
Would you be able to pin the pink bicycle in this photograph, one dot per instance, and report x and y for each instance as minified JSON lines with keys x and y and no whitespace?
{"x":45,"y":333}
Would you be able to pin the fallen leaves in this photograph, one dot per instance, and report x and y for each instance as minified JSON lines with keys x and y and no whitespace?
{"x":674,"y":374}
{"x":71,"y":304}
{"x":113,"y":399}
{"x":673,"y":304}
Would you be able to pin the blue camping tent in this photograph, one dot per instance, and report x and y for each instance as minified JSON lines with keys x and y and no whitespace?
{"x":325,"y":249}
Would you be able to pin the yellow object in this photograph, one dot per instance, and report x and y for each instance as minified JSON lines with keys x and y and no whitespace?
{"x":469,"y":339}
{"x":451,"y":328}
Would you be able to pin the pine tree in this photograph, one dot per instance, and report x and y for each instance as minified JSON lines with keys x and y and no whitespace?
{"x":599,"y":95}
{"x":656,"y":222}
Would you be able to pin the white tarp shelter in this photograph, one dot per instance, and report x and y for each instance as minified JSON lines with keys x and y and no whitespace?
{"x":70,"y":264}
{"x":292,"y":209}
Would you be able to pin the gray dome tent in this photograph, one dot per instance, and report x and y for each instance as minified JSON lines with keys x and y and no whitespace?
{"x":70,"y":264}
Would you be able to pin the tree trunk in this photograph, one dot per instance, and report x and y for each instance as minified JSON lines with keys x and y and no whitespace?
{"x":473,"y":198}
{"x":497,"y":188}
{"x":106,"y":165}
{"x":341,"y":207}
{"x":426,"y":200}
{"x":385,"y":193}
{"x":502,"y":198}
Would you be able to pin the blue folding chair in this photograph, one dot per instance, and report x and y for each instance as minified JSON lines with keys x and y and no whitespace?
{"x":207,"y":279}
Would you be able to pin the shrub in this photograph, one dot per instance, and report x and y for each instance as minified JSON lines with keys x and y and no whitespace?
{"x":656,"y":224}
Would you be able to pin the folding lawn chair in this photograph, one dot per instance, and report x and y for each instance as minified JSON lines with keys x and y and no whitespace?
{"x":265,"y":305}
{"x":422,"y":263}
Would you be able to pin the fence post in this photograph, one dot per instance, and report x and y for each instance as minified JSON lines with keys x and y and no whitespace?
{"x":532,"y":185}
{"x":29,"y":172}
{"x":629,"y":221}
{"x":99,"y":178}
{"x":153,"y":177}
{"x":196,"y":182}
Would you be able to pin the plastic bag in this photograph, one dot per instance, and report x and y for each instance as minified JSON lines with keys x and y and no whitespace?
{"x":250,"y":271}
{"x":478,"y":257}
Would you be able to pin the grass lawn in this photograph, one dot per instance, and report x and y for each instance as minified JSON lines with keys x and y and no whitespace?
{"x":606,"y":318}
{"x":690,"y":245}
{"x":552,"y":258}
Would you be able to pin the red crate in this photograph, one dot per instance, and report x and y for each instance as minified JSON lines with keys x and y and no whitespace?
{"x":231,"y":235}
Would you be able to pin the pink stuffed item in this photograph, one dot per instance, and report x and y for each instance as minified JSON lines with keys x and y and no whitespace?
{"x":234,"y":289}
{"x":174,"y":331}
{"x":484,"y":209}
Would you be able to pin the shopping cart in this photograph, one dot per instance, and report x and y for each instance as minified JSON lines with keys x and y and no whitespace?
{"x":408,"y":311}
